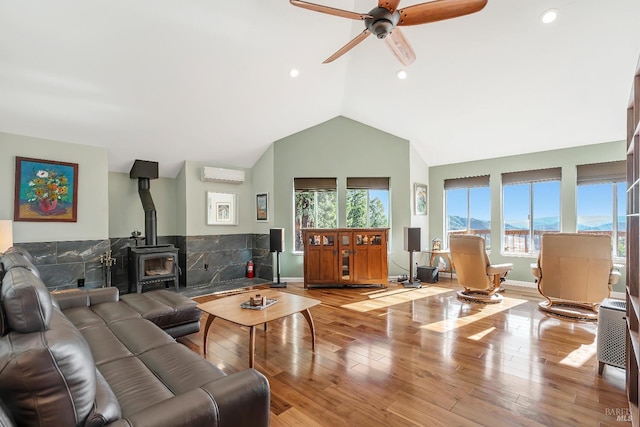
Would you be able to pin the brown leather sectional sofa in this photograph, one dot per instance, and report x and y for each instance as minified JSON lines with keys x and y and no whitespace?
{"x":89,"y":359}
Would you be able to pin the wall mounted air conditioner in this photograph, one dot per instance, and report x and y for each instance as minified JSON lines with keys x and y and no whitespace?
{"x":233,"y":176}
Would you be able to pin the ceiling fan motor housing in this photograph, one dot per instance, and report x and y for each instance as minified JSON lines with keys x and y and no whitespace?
{"x":382,"y":22}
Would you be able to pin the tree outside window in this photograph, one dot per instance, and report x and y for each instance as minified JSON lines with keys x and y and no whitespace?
{"x":367,"y":208}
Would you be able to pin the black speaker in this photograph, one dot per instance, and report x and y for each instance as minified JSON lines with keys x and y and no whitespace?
{"x":427,"y":274}
{"x":412,"y":239}
{"x":276,"y":240}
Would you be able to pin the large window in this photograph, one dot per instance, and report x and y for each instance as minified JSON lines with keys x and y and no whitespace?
{"x":468,"y":207}
{"x":367,"y":202}
{"x":531,"y":206}
{"x":316,"y":206}
{"x":602,"y":202}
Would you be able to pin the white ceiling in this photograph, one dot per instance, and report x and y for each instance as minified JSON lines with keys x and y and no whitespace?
{"x":175,"y":80}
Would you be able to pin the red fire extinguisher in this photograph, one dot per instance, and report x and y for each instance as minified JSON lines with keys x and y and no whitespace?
{"x":250,"y":269}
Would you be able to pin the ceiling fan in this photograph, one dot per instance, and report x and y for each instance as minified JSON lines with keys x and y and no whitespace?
{"x":385,"y":19}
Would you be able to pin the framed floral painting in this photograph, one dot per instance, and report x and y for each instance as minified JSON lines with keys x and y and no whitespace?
{"x":45,"y":190}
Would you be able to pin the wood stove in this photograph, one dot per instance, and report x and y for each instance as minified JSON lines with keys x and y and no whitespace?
{"x":152,"y":264}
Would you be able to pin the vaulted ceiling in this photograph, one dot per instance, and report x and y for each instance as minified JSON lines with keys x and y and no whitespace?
{"x":209,"y":81}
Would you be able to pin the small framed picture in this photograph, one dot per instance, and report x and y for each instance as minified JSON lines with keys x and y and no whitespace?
{"x":262,"y":207}
{"x":420,"y":199}
{"x":221,"y":209}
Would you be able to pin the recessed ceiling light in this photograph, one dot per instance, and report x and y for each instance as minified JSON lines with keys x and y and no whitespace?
{"x":549,"y":16}
{"x":402,"y":74}
{"x":294,"y":72}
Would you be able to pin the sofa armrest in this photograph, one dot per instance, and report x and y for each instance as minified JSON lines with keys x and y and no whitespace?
{"x":106,"y":408}
{"x":85,"y":298}
{"x":194,"y":408}
{"x":242,"y":398}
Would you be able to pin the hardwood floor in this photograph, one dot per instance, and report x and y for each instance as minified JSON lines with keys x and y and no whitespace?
{"x":420,"y":357}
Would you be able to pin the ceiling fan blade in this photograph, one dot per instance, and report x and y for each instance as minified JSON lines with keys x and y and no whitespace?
{"x":346,"y":48}
{"x":329,"y":10}
{"x":390,"y":5}
{"x":439,"y":10}
{"x":400,"y":47}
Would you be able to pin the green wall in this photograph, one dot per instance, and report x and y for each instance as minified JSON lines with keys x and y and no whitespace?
{"x":567,"y":159}
{"x":125,"y":208}
{"x":340,"y":148}
{"x":263,"y":173}
{"x":93,"y":203}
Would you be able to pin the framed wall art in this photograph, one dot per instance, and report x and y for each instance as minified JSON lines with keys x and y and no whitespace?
{"x":262,"y":207}
{"x":221,"y":208}
{"x":45,"y":190}
{"x":420,"y":199}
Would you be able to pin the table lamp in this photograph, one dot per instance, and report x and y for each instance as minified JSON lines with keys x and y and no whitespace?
{"x":6,"y":234}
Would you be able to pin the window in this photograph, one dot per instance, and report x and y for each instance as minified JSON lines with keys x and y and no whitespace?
{"x":468,"y":207}
{"x":316,"y":206}
{"x":367,"y":202}
{"x":602,"y":202}
{"x":531,"y":206}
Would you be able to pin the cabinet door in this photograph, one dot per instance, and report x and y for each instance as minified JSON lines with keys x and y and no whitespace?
{"x":321,"y":258}
{"x":346,"y":257}
{"x":370,"y":257}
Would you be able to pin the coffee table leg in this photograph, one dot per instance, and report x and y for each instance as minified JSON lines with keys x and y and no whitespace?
{"x":307,"y":315}
{"x":206,"y":332}
{"x":252,"y":345}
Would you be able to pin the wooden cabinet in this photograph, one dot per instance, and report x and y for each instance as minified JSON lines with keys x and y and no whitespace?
{"x":633,"y":247}
{"x":345,"y":256}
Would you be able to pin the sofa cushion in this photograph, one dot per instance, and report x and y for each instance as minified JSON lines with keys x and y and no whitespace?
{"x":25,"y":301}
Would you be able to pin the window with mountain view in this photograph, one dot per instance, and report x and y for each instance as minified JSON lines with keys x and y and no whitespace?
{"x":602,"y":202}
{"x":367,"y":202}
{"x":316,"y":206}
{"x":531,"y":206}
{"x":468,"y":207}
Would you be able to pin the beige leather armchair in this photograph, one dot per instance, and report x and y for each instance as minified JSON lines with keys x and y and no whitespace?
{"x":575,"y":272}
{"x":480,"y":278}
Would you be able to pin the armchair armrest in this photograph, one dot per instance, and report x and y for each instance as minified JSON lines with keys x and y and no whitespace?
{"x":614,"y":277}
{"x":500,"y":269}
{"x":535,"y":270}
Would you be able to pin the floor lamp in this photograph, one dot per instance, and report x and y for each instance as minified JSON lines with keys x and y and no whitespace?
{"x":412,"y":244}
{"x":276,"y":244}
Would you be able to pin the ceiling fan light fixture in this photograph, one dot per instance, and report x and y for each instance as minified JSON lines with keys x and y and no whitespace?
{"x":402,"y":74}
{"x":548,"y":16}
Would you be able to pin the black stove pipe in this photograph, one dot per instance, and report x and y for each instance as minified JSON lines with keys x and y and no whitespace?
{"x":145,"y":171}
{"x":150,"y":221}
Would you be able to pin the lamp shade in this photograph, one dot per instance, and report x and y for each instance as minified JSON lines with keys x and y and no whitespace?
{"x":6,"y":234}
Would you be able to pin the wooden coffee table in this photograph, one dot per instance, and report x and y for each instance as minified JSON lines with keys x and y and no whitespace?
{"x":228,"y":308}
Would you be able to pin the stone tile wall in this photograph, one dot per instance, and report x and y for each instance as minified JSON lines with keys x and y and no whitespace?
{"x":61,"y":264}
{"x":204,"y":260}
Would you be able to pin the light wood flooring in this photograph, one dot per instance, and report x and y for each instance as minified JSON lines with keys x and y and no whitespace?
{"x":420,"y":357}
